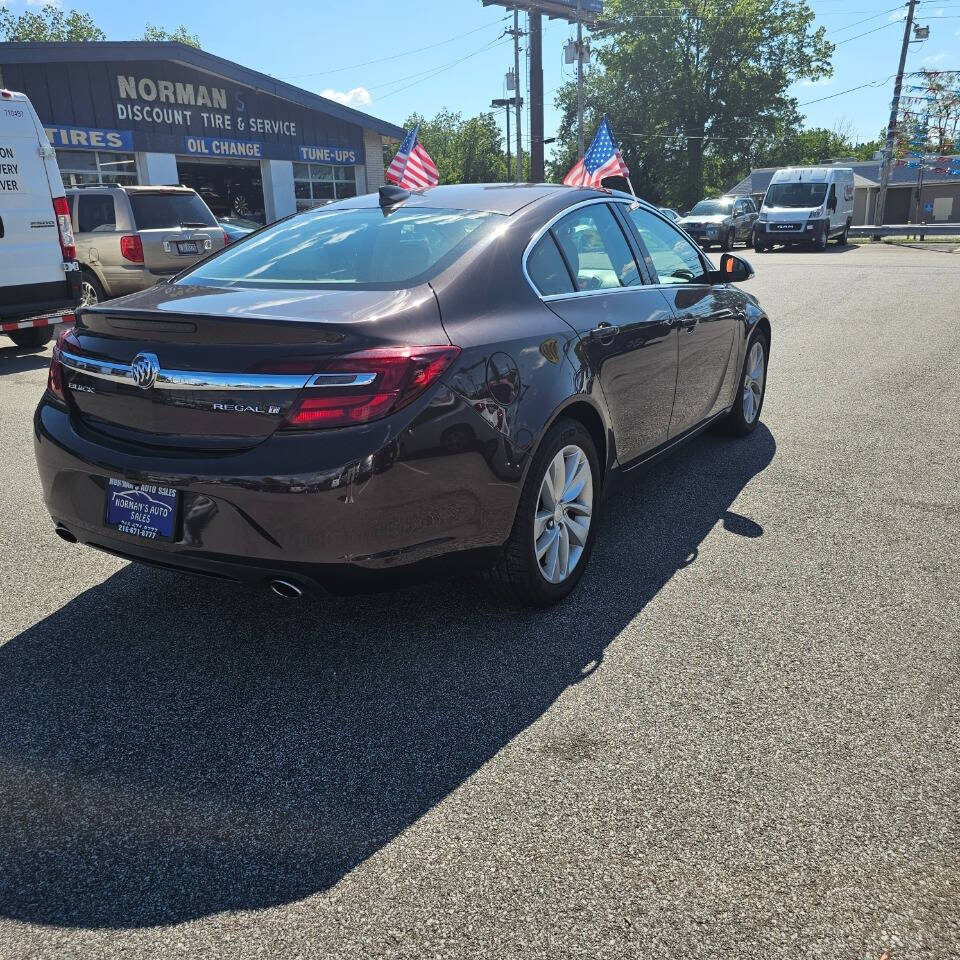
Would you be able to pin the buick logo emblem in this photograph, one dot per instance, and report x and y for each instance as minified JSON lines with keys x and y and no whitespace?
{"x":145,"y":368}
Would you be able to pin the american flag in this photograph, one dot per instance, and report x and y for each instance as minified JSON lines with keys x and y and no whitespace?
{"x":412,"y":167}
{"x":600,"y":161}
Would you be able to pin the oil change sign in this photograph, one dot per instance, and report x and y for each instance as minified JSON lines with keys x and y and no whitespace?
{"x":9,"y":169}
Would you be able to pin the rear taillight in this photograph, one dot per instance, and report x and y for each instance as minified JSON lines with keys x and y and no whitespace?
{"x":61,"y":210}
{"x":131,"y":248}
{"x":226,"y":239}
{"x":55,"y":376}
{"x":368,"y":385}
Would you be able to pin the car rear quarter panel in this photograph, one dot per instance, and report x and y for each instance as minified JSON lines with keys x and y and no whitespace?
{"x":521,"y":365}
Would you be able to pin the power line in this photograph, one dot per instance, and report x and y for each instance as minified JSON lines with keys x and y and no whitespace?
{"x":443,"y":69}
{"x":397,"y":56}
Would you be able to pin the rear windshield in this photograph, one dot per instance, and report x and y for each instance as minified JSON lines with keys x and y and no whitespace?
{"x":710,"y":207}
{"x":359,"y":248}
{"x":795,"y":195}
{"x":160,"y":211}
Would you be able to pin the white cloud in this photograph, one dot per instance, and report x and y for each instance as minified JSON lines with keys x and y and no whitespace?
{"x":822,"y":82}
{"x":936,"y":57}
{"x":357,"y":97}
{"x":45,"y":3}
{"x":897,"y":15}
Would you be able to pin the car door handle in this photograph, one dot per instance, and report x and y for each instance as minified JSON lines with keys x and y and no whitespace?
{"x":1,"y":228}
{"x":688,"y":320}
{"x":605,"y":331}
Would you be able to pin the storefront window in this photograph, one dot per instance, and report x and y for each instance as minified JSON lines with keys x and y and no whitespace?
{"x":318,"y":183}
{"x":89,"y":166}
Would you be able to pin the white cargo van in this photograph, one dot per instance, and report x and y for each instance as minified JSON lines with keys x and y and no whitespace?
{"x":805,"y":205}
{"x":39,"y":273}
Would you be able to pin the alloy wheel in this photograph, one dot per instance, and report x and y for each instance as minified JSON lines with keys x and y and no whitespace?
{"x":564,"y":509}
{"x":753,"y":382}
{"x":88,"y":294}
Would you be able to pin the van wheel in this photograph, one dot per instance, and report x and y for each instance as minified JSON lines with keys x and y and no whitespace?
{"x":758,"y":245}
{"x":32,"y":338}
{"x":842,"y":239}
{"x":91,"y":290}
{"x":820,"y":240}
{"x":555,"y":526}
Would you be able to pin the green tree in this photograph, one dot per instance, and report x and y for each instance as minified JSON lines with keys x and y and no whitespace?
{"x":465,"y":151}
{"x":181,"y":34}
{"x":691,"y":86}
{"x":810,"y":146}
{"x":48,"y":23}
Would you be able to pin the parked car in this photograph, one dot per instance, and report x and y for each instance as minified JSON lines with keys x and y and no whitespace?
{"x":236,"y":228}
{"x":671,"y":213}
{"x":345,"y":394}
{"x":128,"y":237}
{"x":38,"y":260}
{"x":806,"y":205}
{"x":724,"y":221}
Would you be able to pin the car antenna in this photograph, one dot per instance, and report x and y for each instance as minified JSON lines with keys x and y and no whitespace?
{"x":391,"y":195}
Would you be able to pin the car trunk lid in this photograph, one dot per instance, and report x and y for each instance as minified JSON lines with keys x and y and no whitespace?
{"x":215,"y":368}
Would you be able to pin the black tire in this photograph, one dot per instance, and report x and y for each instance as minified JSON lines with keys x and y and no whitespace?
{"x":516,"y":576}
{"x":729,"y":239}
{"x":758,"y":245}
{"x":32,"y":338}
{"x":843,"y":238}
{"x":820,"y":240}
{"x":92,"y":288}
{"x":736,"y":422}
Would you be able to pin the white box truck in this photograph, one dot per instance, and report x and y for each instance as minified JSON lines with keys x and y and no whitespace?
{"x":39,"y":273}
{"x":807,"y":205}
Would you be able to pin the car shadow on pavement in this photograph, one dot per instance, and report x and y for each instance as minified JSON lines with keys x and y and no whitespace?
{"x":22,"y":359}
{"x":171,"y":747}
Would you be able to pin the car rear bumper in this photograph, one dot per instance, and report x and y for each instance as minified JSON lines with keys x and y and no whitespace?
{"x":317,"y":509}
{"x":32,"y":300}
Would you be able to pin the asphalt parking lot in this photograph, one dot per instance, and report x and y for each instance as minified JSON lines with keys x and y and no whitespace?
{"x":738,"y":739}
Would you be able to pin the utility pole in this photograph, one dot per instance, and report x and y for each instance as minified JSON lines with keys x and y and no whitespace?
{"x":506,"y":102}
{"x":579,"y":84}
{"x":536,"y":97}
{"x":894,"y":117}
{"x":516,"y":90}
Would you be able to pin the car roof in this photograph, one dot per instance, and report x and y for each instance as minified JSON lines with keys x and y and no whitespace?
{"x":506,"y":198}
{"x":130,"y":188}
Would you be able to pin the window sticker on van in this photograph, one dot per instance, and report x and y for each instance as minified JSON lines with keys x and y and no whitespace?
{"x":848,"y":191}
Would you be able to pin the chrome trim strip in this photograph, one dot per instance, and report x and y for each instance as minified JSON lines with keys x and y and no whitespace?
{"x":535,"y":239}
{"x":102,"y":369}
{"x":185,"y":379}
{"x":342,"y":380}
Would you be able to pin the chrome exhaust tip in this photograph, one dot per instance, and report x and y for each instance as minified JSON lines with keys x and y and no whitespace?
{"x":286,"y":589}
{"x":64,"y":534}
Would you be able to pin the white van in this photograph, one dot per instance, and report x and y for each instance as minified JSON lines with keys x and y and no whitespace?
{"x":805,"y":205}
{"x":39,"y":273}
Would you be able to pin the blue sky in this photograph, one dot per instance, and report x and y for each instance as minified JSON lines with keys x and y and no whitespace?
{"x":328,"y":47}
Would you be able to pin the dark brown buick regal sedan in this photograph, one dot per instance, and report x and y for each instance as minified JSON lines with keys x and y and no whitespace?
{"x":397,"y":380}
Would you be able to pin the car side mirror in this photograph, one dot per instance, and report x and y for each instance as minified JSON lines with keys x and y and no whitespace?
{"x":732,"y":270}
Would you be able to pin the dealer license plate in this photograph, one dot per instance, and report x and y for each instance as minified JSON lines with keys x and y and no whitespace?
{"x":185,"y":247}
{"x":141,"y":509}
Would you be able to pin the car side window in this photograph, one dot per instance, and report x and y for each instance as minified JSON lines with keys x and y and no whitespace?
{"x":596,"y":250}
{"x":674,"y":257}
{"x":546,"y":268}
{"x":95,"y":213}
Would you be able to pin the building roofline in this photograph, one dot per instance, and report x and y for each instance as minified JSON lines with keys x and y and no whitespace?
{"x":146,"y":50}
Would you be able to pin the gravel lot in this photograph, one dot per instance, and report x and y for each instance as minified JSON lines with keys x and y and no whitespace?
{"x":739,"y":739}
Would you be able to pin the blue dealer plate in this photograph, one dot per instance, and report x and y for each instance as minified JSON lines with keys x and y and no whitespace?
{"x":141,"y":509}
